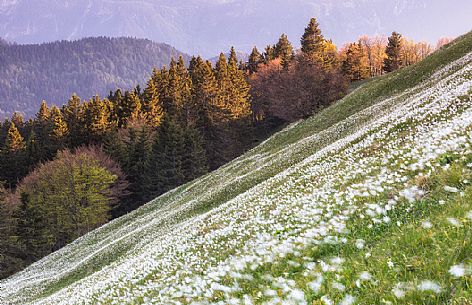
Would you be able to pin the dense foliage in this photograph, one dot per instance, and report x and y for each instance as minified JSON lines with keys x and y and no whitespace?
{"x":52,"y":71}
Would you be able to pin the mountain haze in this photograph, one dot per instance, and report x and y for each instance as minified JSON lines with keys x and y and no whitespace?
{"x":208,"y":27}
{"x":87,"y":67}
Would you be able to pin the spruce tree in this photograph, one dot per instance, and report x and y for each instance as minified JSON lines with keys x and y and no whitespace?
{"x":14,"y":141}
{"x":284,"y":51}
{"x":44,"y":113}
{"x":166,"y":160}
{"x":72,"y":113}
{"x":152,"y":105}
{"x":59,"y":126}
{"x":269,"y":53}
{"x":312,"y":40}
{"x":194,"y":160}
{"x":254,"y":60}
{"x":393,"y":61}
{"x":355,"y":66}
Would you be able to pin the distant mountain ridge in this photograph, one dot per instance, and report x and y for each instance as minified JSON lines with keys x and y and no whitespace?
{"x":208,"y":27}
{"x":90,"y":66}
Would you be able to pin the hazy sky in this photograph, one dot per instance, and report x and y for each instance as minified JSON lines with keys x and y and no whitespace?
{"x":210,"y":26}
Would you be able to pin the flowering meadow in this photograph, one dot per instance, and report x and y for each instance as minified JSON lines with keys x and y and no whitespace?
{"x":372,"y":208}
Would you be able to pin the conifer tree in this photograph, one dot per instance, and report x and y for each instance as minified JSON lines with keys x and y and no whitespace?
{"x":355,"y":66}
{"x":18,"y":119}
{"x":269,"y":53}
{"x":59,"y":126}
{"x":14,"y":141}
{"x":44,"y":113}
{"x":254,"y":60}
{"x":73,"y":116}
{"x":166,"y":160}
{"x":194,"y":160}
{"x":152,"y":105}
{"x":137,"y":166}
{"x":312,"y":40}
{"x":284,"y":50}
{"x":393,"y":61}
{"x":239,"y":106}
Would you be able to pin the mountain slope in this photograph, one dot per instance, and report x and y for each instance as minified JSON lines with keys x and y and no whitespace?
{"x":211,"y":26}
{"x":53,"y":71}
{"x":305,"y":215}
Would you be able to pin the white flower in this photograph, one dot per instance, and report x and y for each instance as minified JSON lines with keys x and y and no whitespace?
{"x":429,"y":286}
{"x":326,"y":300}
{"x":390,"y":264}
{"x":454,"y":222}
{"x":348,"y":300}
{"x":297,"y":295}
{"x":365,"y":276}
{"x":316,"y":284}
{"x":360,"y":243}
{"x":451,"y":189}
{"x":469,"y":215}
{"x":426,"y":225}
{"x":457,"y":270}
{"x":338,"y":286}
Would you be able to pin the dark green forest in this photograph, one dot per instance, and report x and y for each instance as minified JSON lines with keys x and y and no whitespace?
{"x":52,"y":71}
{"x":71,"y":169}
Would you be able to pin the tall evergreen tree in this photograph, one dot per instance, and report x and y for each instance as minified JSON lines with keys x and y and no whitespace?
{"x":44,"y":113}
{"x":312,"y":40}
{"x":14,"y":141}
{"x":194,"y":160}
{"x":166,"y":160}
{"x":72,"y":113}
{"x":269,"y":53}
{"x":255,"y":59}
{"x":152,"y":104}
{"x":393,"y":61}
{"x":284,"y":50}
{"x":355,"y":66}
{"x":59,"y":126}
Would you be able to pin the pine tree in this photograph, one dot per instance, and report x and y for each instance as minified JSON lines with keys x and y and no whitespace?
{"x":44,"y":113}
{"x":152,"y":105}
{"x":284,"y":51}
{"x":269,"y":53}
{"x":18,"y":119}
{"x":14,"y":141}
{"x":59,"y":126}
{"x":355,"y":66}
{"x":393,"y":61}
{"x":239,"y":106}
{"x":166,"y":160}
{"x":137,"y":166}
{"x":72,"y":113}
{"x":194,"y":160}
{"x":128,"y":109}
{"x":254,"y":60}
{"x":312,"y":40}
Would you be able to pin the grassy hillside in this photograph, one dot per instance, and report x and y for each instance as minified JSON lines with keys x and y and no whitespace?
{"x":90,"y":66}
{"x":367,"y":202}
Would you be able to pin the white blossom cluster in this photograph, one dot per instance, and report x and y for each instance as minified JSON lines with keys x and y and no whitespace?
{"x":170,"y":258}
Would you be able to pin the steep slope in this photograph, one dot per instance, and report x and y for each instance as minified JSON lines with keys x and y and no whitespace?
{"x":211,"y":26}
{"x":53,"y":71}
{"x":334,"y":208}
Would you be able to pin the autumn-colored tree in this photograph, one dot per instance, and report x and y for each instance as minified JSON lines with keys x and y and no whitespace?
{"x":355,"y":65}
{"x":375,"y":50}
{"x":297,"y":93}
